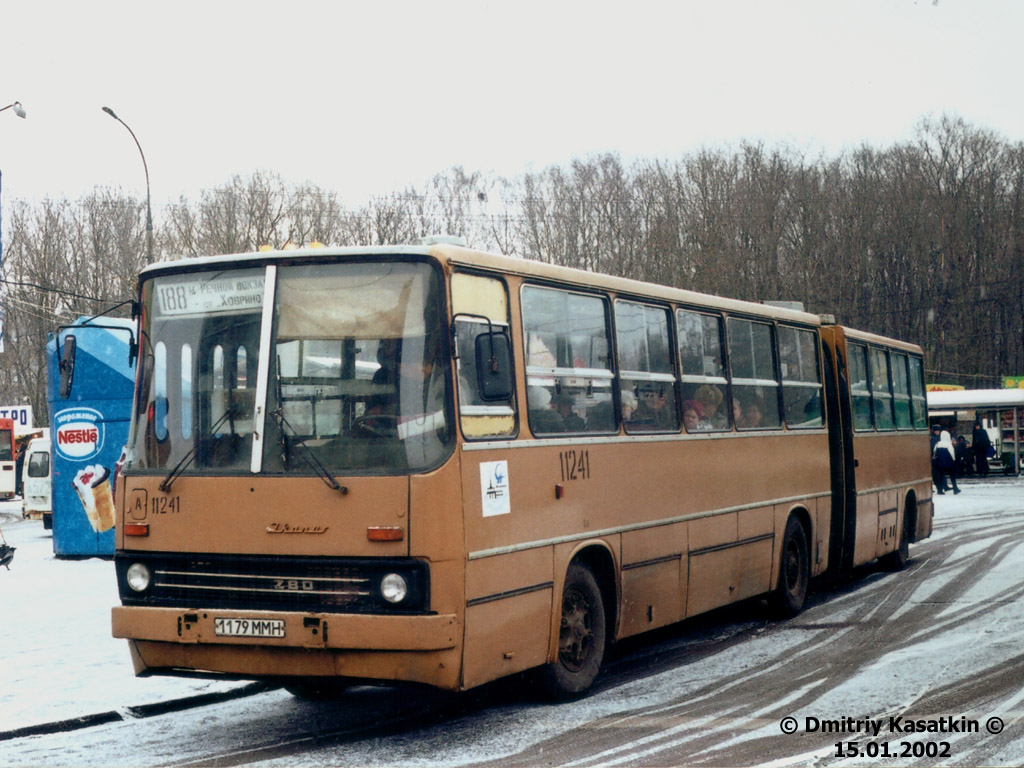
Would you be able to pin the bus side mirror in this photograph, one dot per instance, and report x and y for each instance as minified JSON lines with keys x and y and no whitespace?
{"x":493,"y":366}
{"x":66,"y":366}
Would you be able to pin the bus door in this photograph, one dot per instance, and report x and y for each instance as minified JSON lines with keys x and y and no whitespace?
{"x":8,"y":474}
{"x":843,"y":530}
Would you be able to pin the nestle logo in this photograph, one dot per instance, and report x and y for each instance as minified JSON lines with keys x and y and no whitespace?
{"x":69,"y":436}
{"x":79,"y":433}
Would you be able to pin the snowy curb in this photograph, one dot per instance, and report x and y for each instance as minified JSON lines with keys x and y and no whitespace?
{"x":134,"y":713}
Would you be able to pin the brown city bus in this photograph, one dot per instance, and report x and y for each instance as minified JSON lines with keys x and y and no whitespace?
{"x":436,"y":465}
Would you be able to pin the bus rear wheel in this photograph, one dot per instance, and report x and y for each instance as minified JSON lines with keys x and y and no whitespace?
{"x":897,"y":559}
{"x":794,"y":571}
{"x":581,"y":637}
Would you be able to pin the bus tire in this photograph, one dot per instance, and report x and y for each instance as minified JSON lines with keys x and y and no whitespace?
{"x":794,"y":571}
{"x":581,"y":639}
{"x":897,"y":559}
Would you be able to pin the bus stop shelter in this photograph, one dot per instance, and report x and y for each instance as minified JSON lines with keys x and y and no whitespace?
{"x":999,"y":409}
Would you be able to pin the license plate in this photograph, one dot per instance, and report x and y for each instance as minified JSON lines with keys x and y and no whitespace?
{"x":248,"y":627}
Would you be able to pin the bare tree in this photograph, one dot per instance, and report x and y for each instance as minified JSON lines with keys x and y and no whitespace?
{"x":922,"y":240}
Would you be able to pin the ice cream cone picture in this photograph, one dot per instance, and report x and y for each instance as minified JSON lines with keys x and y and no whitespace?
{"x":93,"y":487}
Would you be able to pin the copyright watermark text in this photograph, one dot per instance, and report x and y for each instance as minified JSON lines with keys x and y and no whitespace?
{"x":876,"y":726}
{"x":891,"y":736}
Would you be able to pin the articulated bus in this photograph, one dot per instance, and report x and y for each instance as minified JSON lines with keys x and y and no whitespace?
{"x":434,"y":465}
{"x":8,"y":463}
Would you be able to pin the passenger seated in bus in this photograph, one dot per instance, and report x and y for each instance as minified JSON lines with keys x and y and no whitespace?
{"x":628,"y":400}
{"x":414,"y":390}
{"x":691,"y":416}
{"x":543,"y":420}
{"x":601,"y":415}
{"x":709,"y":397}
{"x":564,"y":404}
{"x":383,"y":406}
{"x":753,"y":415}
{"x":656,"y":411}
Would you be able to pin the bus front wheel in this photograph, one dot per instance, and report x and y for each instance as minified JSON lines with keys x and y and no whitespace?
{"x":581,"y":637}
{"x":794,"y":571}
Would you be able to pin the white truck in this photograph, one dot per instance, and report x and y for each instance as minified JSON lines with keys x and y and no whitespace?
{"x":37,"y":482}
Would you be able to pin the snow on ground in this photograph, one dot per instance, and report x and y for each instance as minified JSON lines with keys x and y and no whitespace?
{"x":889,"y":686}
{"x":58,"y":659}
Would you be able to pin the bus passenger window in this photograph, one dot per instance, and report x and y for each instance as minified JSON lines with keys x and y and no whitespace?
{"x":901,"y":392}
{"x":241,"y":396}
{"x":567,"y":356}
{"x":645,"y":366}
{"x":160,"y":392}
{"x":7,"y":444}
{"x":754,"y":388}
{"x":860,"y":393}
{"x":240,"y":368}
{"x":703,"y":362}
{"x":186,"y":391}
{"x":881,"y":393}
{"x":801,"y":378}
{"x":218,"y":390}
{"x":917,"y":393}
{"x":475,"y":298}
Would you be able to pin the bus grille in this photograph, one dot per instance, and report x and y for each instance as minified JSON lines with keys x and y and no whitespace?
{"x":306,"y":584}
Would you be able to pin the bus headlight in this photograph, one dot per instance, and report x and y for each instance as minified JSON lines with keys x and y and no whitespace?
{"x":394,"y":588}
{"x":138,"y":577}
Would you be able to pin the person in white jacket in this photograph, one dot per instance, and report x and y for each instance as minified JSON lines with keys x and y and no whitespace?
{"x":944,"y":461}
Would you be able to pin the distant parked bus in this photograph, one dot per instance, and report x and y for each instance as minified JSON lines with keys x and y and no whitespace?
{"x":8,"y":463}
{"x":437,"y":465}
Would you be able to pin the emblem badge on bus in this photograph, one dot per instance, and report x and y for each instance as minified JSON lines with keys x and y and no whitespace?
{"x":494,"y":488}
{"x":288,"y":528}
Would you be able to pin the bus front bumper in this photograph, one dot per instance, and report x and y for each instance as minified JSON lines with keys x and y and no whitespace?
{"x":373,"y":632}
{"x":169,"y":641}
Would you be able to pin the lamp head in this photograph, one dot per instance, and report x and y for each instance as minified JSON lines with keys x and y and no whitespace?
{"x":16,"y":106}
{"x":110,"y":112}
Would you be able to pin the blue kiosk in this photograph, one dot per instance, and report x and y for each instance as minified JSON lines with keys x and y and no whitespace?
{"x":90,"y":384}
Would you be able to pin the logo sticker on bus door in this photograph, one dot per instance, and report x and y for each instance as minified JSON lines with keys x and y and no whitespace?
{"x":494,"y":488}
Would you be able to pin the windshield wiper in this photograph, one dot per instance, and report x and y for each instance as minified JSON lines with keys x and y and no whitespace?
{"x":307,"y":455}
{"x":189,"y":457}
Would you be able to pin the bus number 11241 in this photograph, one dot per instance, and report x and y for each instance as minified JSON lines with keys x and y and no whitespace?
{"x":575,"y":465}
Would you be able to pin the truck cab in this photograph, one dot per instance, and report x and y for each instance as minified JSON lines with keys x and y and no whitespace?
{"x":37,"y":481}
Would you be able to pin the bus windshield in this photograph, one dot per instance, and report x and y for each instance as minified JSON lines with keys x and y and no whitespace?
{"x":357,"y":379}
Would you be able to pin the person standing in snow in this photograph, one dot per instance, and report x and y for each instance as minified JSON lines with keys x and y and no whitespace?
{"x":980,"y":446}
{"x":944,"y":461}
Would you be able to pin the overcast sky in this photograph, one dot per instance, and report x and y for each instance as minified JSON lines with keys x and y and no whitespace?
{"x":367,"y":97}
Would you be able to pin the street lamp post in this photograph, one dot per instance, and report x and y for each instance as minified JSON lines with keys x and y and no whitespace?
{"x":20,"y":112}
{"x":149,"y":209}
